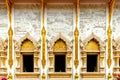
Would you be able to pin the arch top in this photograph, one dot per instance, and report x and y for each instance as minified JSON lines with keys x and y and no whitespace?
{"x":60,"y":37}
{"x":92,"y":37}
{"x":27,"y":38}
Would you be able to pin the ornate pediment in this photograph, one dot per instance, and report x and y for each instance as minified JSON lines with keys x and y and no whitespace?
{"x":59,"y":36}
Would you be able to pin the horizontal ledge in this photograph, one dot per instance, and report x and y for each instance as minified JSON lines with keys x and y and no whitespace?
{"x":92,"y":75}
{"x":27,"y":75}
{"x":60,"y":75}
{"x":3,"y":74}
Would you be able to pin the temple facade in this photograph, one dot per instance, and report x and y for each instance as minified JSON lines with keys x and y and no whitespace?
{"x":59,"y":39}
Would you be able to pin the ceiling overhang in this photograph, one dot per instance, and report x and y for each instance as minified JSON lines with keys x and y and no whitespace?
{"x":60,"y":1}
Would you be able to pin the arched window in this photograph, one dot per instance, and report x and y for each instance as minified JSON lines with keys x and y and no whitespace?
{"x":92,"y":49}
{"x":60,"y":57}
{"x":93,"y":57}
{"x":27,"y":54}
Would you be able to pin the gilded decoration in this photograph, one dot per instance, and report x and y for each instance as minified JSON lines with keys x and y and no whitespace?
{"x":85,"y":42}
{"x":27,"y":45}
{"x":109,"y":31}
{"x":60,"y":45}
{"x":76,"y":34}
{"x":92,"y":45}
{"x":59,"y":36}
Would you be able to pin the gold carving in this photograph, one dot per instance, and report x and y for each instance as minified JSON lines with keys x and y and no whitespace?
{"x":92,"y":45}
{"x":76,"y":76}
{"x":43,"y":36}
{"x":60,"y":45}
{"x":43,"y":76}
{"x":111,"y":7}
{"x":27,"y":45}
{"x":76,"y":34}
{"x":10,"y":32}
{"x":43,"y":46}
{"x":109,"y":76}
{"x":10,"y":76}
{"x":109,"y":33}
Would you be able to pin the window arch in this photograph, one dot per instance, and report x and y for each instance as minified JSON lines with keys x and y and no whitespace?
{"x":93,"y":56}
{"x":27,"y":50}
{"x":60,"y":52}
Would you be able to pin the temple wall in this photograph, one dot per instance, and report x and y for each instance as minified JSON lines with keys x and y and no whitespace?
{"x":92,"y":20}
{"x":3,"y":21}
{"x":60,"y":19}
{"x":116,"y":21}
{"x":27,"y":18}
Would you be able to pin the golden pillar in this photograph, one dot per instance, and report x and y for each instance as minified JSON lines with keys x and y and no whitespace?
{"x":9,"y":4}
{"x":109,"y":34}
{"x":76,"y":35}
{"x":43,"y":41}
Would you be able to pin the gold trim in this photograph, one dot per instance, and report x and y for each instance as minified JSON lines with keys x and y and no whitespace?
{"x":92,"y":75}
{"x":109,"y":32}
{"x":60,"y":75}
{"x":76,"y":34}
{"x":43,"y":46}
{"x":76,"y":76}
{"x":43,"y":36}
{"x":10,"y":76}
{"x":43,"y":76}
{"x":27,"y":75}
{"x":9,"y":4}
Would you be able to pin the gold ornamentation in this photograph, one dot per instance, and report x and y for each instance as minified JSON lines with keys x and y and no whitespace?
{"x":76,"y":76}
{"x":76,"y":34}
{"x":43,"y":46}
{"x":10,"y":32}
{"x":111,"y":7}
{"x":109,"y":32}
{"x":10,"y":76}
{"x":92,"y":45}
{"x":109,"y":76}
{"x":43,"y":36}
{"x":43,"y":76}
{"x":27,"y":45}
{"x":60,"y":45}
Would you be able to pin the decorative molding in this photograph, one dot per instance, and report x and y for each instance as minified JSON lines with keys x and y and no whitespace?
{"x":84,"y":43}
{"x":109,"y":31}
{"x":29,"y":37}
{"x":59,"y":36}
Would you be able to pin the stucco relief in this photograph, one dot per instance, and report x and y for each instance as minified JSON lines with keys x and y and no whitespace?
{"x":59,"y":20}
{"x":92,"y":20}
{"x":3,"y":21}
{"x":116,"y":21}
{"x":27,"y":19}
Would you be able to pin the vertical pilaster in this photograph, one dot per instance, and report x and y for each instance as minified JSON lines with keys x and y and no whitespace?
{"x":9,"y":4}
{"x":43,"y":41}
{"x":76,"y":35}
{"x":109,"y":35}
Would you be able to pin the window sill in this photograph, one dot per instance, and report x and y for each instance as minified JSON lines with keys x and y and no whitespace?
{"x":27,"y":75}
{"x":60,"y":75}
{"x":92,"y":74}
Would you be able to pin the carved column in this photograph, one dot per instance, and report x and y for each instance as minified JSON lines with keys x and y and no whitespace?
{"x":43,"y":41}
{"x":76,"y":34}
{"x":109,"y":33}
{"x":10,"y":33}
